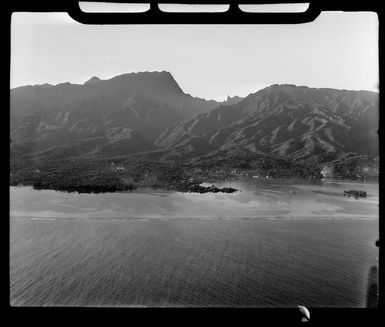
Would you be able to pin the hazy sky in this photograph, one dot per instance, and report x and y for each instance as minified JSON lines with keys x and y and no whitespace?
{"x":338,"y":50}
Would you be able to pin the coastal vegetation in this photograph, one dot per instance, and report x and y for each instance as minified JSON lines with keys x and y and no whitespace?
{"x":121,"y":174}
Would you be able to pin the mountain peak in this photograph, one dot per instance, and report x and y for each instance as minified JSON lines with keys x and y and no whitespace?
{"x":232,"y":100}
{"x":92,"y":80}
{"x":45,"y":85}
{"x":283,"y":85}
{"x":156,"y":82}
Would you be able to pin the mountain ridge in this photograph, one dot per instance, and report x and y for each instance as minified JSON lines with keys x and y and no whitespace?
{"x":262,"y":119}
{"x":148,"y":102}
{"x":150,"y":109}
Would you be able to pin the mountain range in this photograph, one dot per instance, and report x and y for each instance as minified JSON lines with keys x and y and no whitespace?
{"x":285,"y":121}
{"x":149,"y":113}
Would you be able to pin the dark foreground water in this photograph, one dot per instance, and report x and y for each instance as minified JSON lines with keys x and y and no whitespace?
{"x":184,"y":250}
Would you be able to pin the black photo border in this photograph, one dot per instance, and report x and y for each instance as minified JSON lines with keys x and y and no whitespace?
{"x":181,"y":316}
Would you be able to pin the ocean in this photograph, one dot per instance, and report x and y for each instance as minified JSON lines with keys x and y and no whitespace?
{"x":265,"y":246}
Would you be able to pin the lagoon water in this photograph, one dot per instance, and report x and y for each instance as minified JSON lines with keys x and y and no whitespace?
{"x":264,"y":246}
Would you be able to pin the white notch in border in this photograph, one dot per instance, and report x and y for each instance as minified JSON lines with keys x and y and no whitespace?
{"x":275,"y":8}
{"x":173,"y":7}
{"x":113,"y":7}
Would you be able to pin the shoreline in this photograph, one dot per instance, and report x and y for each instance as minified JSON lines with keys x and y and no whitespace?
{"x":89,"y":189}
{"x":181,"y":187}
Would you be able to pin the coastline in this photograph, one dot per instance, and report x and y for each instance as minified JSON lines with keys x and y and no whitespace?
{"x":256,"y":201}
{"x":97,"y":189}
{"x":164,"y":187}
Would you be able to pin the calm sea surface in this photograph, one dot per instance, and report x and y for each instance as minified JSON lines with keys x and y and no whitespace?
{"x":264,"y":246}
